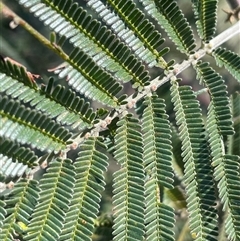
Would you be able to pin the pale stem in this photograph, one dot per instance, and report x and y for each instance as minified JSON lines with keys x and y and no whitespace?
{"x":225,"y":36}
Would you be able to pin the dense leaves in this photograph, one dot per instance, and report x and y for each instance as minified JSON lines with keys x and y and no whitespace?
{"x":107,"y":151}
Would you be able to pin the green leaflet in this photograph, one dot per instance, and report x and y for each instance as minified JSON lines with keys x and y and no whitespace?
{"x":22,"y":154}
{"x":3,"y":212}
{"x":18,"y":205}
{"x":103,"y":64}
{"x":234,"y":140}
{"x":226,"y":174}
{"x":206,"y":17}
{"x":171,"y":19}
{"x":31,"y":127}
{"x":176,"y":146}
{"x":69,"y":108}
{"x":89,"y":183}
{"x":229,"y":60}
{"x":198,"y":175}
{"x":218,"y":92}
{"x":128,"y":182}
{"x":100,"y":44}
{"x":130,"y":24}
{"x":157,"y":158}
{"x":157,"y":141}
{"x":56,"y":189}
{"x":86,"y":77}
{"x":16,"y":72}
{"x":15,"y":160}
{"x":16,"y":83}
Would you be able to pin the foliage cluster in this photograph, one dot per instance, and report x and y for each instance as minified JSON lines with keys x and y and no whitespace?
{"x":174,"y":171}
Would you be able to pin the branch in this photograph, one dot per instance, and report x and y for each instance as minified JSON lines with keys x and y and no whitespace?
{"x":224,"y":36}
{"x":157,"y":82}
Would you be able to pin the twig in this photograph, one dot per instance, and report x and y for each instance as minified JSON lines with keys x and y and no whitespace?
{"x":19,"y":21}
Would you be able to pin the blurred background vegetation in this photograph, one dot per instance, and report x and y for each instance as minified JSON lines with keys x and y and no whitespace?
{"x":19,"y":45}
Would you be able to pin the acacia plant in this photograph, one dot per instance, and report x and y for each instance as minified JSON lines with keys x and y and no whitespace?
{"x":176,"y":173}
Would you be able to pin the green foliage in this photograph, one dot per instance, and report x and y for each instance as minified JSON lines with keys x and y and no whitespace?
{"x":198,"y":173}
{"x":173,"y":22}
{"x":87,"y":34}
{"x":206,"y":13}
{"x":66,"y":106}
{"x":108,"y":151}
{"x":218,"y":93}
{"x":89,"y":183}
{"x":128,"y":182}
{"x":234,"y":141}
{"x":159,"y":218}
{"x":15,"y":159}
{"x":30,"y":127}
{"x":18,"y":208}
{"x":56,"y":187}
{"x":229,"y":60}
{"x":226,"y":174}
{"x":140,"y":34}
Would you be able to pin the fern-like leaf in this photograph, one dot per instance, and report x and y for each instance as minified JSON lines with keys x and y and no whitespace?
{"x":87,"y":78}
{"x":157,"y":141}
{"x":226,"y":174}
{"x":218,"y":92}
{"x":128,"y":193}
{"x":15,"y":160}
{"x":56,"y":192}
{"x":3,"y":213}
{"x":234,"y":142}
{"x":106,"y":50}
{"x":139,"y":33}
{"x":19,"y":205}
{"x":157,"y":156}
{"x":198,"y":175}
{"x":177,"y":150}
{"x":16,"y":72}
{"x":171,"y":19}
{"x":69,"y":108}
{"x":90,"y":167}
{"x":31,"y":127}
{"x":228,"y":59}
{"x":231,"y":168}
{"x":206,"y":17}
{"x":16,"y":83}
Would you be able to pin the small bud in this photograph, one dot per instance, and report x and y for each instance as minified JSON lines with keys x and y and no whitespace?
{"x":108,"y":120}
{"x":87,"y":135}
{"x":13,"y":24}
{"x":44,"y":164}
{"x":175,"y":71}
{"x":153,"y":87}
{"x":196,"y":56}
{"x":10,"y":185}
{"x":74,"y":146}
{"x":104,"y":124}
{"x":130,"y":104}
